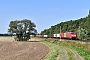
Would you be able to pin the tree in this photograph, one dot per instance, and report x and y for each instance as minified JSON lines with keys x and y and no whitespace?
{"x":22,"y":29}
{"x":82,"y":33}
{"x":88,"y":20}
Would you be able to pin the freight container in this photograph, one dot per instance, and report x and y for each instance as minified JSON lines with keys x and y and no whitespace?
{"x":45,"y":35}
{"x":54,"y":35}
{"x":58,"y":35}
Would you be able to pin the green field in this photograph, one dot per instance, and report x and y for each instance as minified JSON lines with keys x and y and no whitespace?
{"x":71,"y":50}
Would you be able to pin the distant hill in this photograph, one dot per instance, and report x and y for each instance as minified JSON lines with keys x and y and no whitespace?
{"x":81,"y":26}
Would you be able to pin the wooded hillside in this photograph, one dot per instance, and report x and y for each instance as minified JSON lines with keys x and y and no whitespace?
{"x":81,"y":26}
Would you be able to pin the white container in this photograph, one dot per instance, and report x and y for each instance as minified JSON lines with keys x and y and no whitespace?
{"x":54,"y":35}
{"x":58,"y":35}
{"x":45,"y":35}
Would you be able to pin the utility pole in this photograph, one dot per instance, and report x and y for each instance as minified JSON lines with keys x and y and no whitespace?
{"x":79,"y":32}
{"x":50,"y":33}
{"x":60,"y":33}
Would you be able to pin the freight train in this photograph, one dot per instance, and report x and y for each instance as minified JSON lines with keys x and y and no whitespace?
{"x":63,"y":35}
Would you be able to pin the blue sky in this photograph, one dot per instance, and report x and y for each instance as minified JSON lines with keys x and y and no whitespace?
{"x":44,"y":13}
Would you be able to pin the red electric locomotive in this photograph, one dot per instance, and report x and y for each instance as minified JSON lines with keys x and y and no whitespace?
{"x":69,"y":35}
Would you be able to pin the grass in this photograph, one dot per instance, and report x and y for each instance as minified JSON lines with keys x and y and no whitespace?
{"x":82,"y":49}
{"x":54,"y":50}
{"x":53,"y":53}
{"x":71,"y":55}
{"x":60,"y":55}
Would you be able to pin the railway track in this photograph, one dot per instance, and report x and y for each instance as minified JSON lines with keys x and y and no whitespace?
{"x":86,"y":41}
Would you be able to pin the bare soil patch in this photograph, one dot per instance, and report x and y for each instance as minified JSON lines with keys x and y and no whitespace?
{"x":22,"y":50}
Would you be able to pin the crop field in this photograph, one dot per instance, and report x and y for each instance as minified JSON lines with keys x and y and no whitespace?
{"x":12,"y":50}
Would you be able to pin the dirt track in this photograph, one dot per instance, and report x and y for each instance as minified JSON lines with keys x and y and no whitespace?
{"x":22,"y":50}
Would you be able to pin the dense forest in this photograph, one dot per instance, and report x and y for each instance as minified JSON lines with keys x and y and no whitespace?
{"x":80,"y":26}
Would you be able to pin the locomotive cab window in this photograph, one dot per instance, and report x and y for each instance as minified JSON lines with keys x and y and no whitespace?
{"x":73,"y":33}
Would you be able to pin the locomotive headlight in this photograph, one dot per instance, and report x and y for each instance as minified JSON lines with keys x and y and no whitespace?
{"x":73,"y":35}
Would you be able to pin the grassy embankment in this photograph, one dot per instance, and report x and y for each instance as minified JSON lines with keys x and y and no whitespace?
{"x":54,"y":45}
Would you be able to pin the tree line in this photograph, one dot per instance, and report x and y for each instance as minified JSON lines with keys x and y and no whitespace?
{"x":80,"y":26}
{"x":6,"y":35}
